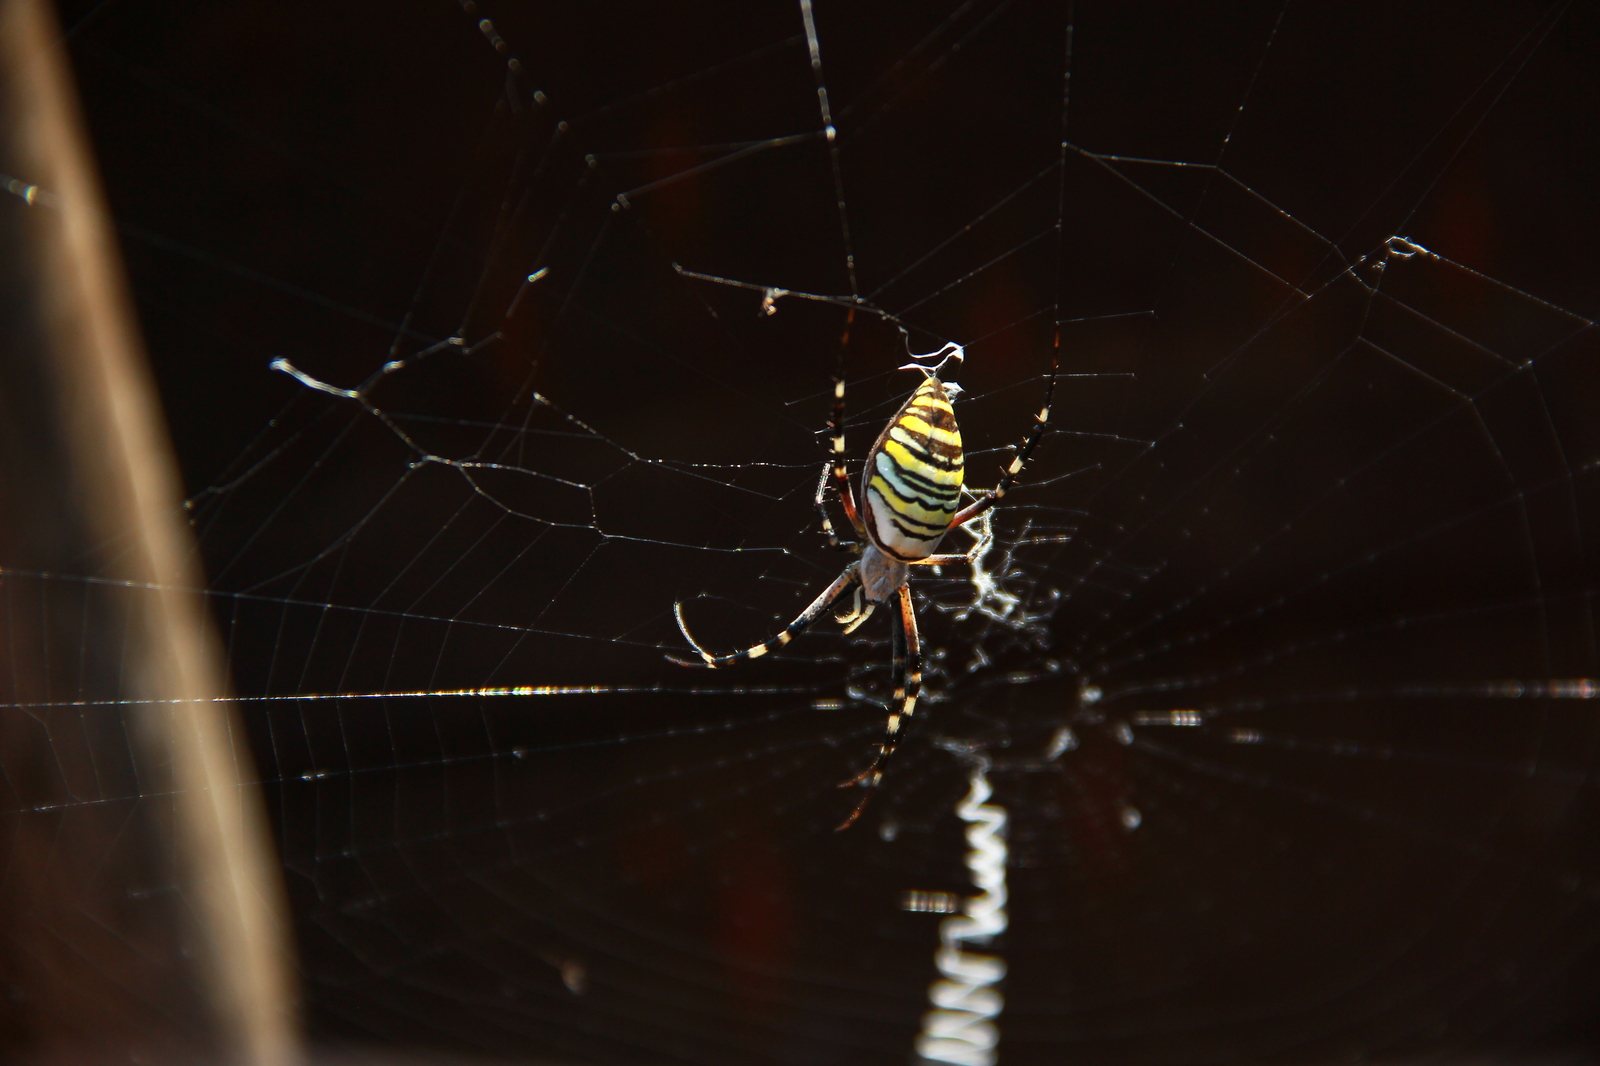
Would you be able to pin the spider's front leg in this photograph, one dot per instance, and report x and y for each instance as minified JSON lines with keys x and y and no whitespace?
{"x":831,"y":478}
{"x":833,"y":471}
{"x":1024,"y":449}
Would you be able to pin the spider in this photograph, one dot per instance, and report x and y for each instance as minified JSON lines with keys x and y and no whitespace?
{"x":908,"y":500}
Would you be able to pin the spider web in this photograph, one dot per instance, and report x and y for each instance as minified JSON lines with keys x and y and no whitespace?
{"x":490,"y":333}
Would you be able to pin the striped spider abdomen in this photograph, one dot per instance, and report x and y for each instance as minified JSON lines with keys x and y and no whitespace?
{"x":911,"y":485}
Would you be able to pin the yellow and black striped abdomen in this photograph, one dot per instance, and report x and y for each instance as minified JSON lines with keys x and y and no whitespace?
{"x":912,"y":482}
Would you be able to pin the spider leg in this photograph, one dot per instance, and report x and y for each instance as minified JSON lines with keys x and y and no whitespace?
{"x":980,"y":529}
{"x":820,"y":606}
{"x":852,"y":622}
{"x":842,"y":488}
{"x":908,"y":686}
{"x":897,"y":663}
{"x":859,"y":612}
{"x":833,"y":471}
{"x":1041,"y":422}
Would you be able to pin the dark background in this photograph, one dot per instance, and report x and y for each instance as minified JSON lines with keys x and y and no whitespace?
{"x":1327,"y":517}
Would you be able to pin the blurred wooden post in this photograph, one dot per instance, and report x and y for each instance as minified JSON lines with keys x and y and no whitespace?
{"x":143,"y":920}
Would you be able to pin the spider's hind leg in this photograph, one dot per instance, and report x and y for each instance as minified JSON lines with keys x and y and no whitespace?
{"x":907,"y":658}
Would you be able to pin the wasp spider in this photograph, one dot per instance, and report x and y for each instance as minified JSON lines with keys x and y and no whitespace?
{"x":908,"y":501}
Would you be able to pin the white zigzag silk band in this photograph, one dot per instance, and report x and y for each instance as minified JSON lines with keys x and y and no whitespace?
{"x":961,"y":1029}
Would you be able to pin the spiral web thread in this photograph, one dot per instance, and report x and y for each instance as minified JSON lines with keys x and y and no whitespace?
{"x":961,"y":1029}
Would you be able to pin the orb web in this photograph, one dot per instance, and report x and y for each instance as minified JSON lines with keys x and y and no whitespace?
{"x":489,"y":334}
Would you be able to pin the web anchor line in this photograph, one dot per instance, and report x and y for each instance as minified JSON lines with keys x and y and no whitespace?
{"x":961,"y":1028}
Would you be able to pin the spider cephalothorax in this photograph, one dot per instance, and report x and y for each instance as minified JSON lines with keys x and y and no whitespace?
{"x":909,"y":499}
